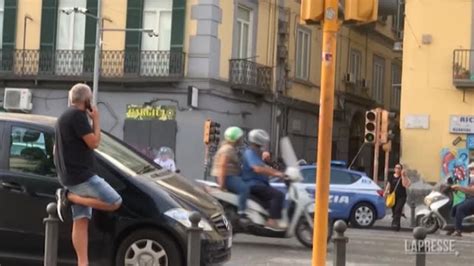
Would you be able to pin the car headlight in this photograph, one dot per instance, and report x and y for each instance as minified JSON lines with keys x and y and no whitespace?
{"x":182,"y":216}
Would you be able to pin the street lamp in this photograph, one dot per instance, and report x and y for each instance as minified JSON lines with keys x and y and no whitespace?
{"x":25,"y":22}
{"x":98,"y":41}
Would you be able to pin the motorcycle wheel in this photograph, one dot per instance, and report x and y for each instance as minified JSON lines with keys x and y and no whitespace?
{"x":429,"y":223}
{"x":304,"y":232}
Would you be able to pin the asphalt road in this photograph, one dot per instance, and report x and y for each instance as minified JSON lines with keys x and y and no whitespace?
{"x":365,"y":247}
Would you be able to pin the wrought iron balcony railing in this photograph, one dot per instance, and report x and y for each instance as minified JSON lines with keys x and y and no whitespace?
{"x":248,"y":75}
{"x":79,"y":63}
{"x":463,"y":65}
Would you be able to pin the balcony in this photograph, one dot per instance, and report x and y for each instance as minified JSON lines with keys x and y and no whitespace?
{"x":249,"y":76}
{"x":140,"y":66}
{"x":463,"y":64}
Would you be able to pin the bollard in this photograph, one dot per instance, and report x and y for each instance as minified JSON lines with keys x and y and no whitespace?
{"x":420,"y":234}
{"x":340,"y":242}
{"x":51,"y":235}
{"x":194,"y":240}
{"x":412,"y":214}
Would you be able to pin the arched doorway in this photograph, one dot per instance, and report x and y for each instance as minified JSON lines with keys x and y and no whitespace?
{"x":356,"y":136}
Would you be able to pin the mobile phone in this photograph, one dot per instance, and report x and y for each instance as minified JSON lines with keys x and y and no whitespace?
{"x":89,"y":106}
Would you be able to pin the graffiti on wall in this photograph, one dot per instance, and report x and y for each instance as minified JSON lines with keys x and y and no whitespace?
{"x":454,"y":164}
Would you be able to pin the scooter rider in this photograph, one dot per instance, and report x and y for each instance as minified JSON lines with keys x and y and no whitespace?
{"x":256,"y":174}
{"x":467,"y":207}
{"x":227,"y":167}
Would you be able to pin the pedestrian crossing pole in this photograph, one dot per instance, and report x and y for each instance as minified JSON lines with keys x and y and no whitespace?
{"x":326,"y":111}
{"x":326,"y":12}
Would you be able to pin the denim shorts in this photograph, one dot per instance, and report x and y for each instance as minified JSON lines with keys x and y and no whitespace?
{"x":97,"y":188}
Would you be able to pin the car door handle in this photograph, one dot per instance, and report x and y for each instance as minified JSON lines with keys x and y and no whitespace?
{"x":12,"y":186}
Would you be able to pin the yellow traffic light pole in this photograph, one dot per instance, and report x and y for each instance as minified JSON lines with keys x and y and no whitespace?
{"x":328,"y":67}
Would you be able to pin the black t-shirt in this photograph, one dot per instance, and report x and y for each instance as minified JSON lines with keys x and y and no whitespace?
{"x":401,"y":190}
{"x":78,"y":158}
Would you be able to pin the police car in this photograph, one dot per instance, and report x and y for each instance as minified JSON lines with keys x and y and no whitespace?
{"x":354,"y":197}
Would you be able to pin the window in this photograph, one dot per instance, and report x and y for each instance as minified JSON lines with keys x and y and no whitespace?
{"x":156,"y":16}
{"x":378,"y":78}
{"x":70,"y":38}
{"x":355,"y":63}
{"x":302,"y":54}
{"x":123,"y":158}
{"x":338,"y":177}
{"x":244,"y":31}
{"x":2,"y":10}
{"x":396,"y":86}
{"x":31,"y":151}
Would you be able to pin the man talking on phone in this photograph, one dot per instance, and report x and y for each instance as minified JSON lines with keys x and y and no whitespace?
{"x":74,"y":158}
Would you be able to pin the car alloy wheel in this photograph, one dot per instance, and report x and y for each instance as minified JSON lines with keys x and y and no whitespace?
{"x":146,"y":252}
{"x":363,"y":216}
{"x":148,"y":247}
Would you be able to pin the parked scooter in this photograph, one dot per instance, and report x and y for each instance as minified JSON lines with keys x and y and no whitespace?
{"x":437,"y":215}
{"x":297,"y":216}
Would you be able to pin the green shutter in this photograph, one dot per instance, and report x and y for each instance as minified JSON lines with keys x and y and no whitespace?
{"x":89,"y":40}
{"x":177,"y":25}
{"x":9,"y":34}
{"x":49,"y":17}
{"x":133,"y":39}
{"x":177,"y":37}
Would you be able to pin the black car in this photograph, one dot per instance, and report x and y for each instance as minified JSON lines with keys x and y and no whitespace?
{"x":151,"y":224}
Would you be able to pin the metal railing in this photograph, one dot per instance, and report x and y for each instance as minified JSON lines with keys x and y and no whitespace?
{"x":245,"y":74}
{"x":463,"y":63}
{"x":80,"y":63}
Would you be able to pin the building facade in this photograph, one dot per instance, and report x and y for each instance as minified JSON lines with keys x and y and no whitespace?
{"x":437,"y":100}
{"x":253,"y":63}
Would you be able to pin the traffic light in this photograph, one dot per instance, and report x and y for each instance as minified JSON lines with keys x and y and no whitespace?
{"x":361,"y":10}
{"x":385,"y":132}
{"x":312,"y":11}
{"x":211,"y":132}
{"x":371,"y":119}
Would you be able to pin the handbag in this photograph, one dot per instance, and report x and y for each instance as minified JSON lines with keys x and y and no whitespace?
{"x":390,"y":200}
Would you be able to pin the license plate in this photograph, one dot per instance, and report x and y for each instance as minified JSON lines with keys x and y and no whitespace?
{"x":229,"y":242}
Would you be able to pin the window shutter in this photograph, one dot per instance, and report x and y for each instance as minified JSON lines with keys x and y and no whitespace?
{"x":49,"y":17}
{"x":9,"y":34}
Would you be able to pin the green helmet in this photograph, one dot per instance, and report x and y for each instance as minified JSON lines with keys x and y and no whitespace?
{"x":233,"y":134}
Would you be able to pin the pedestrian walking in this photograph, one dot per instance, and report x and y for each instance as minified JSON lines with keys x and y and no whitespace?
{"x":398,"y":183}
{"x":74,"y":158}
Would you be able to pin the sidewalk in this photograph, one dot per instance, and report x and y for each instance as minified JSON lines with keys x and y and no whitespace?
{"x":386,"y":222}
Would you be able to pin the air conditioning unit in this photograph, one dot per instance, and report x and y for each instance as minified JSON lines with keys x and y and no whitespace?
{"x":349,"y":78}
{"x":17,"y":100}
{"x":282,"y":51}
{"x":363,"y":83}
{"x":282,"y":27}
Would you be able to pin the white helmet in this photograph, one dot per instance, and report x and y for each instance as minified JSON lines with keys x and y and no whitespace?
{"x":259,"y":137}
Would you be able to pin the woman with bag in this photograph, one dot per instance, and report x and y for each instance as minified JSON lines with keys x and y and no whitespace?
{"x":396,"y":194}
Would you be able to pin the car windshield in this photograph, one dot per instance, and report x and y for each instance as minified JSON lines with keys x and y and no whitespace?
{"x":123,"y":157}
